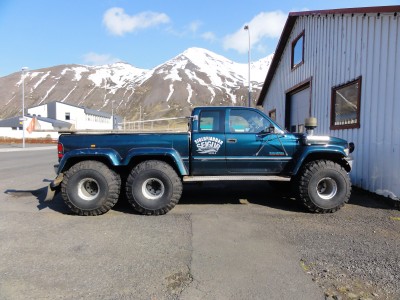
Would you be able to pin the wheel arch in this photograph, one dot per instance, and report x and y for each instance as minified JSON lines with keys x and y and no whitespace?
{"x":334,"y":156}
{"x":167,"y":155}
{"x":109,"y":157}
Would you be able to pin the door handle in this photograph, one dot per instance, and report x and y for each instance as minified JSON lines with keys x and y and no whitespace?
{"x":232,"y":141}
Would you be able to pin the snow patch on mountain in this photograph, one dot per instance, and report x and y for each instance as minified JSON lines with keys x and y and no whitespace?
{"x":47,"y":94}
{"x":119,"y":74}
{"x":69,"y":93}
{"x":195,"y":77}
{"x":171,"y":91}
{"x":190,"y":91}
{"x":41,"y":79}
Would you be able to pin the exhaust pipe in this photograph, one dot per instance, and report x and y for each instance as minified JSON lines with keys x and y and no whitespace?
{"x":310,"y":124}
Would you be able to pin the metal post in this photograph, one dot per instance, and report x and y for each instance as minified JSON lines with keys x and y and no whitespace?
{"x":23,"y":105}
{"x":112,"y":114}
{"x":140,"y":117}
{"x":249,"y":61}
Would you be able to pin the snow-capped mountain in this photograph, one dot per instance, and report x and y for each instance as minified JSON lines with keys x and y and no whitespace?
{"x":195,"y":77}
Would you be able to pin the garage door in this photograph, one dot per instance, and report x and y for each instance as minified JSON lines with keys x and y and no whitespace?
{"x":299,"y":109}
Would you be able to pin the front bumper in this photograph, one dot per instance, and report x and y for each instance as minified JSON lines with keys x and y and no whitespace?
{"x":349,"y":160}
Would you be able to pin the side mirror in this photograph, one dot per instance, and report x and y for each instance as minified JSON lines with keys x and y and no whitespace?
{"x":268,"y":130}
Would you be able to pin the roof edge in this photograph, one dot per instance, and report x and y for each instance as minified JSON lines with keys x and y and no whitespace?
{"x":287,"y":29}
{"x":358,"y":10}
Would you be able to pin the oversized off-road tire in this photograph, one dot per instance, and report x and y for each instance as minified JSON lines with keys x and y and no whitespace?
{"x":90,"y":188}
{"x":323,"y":186}
{"x":153,"y":188}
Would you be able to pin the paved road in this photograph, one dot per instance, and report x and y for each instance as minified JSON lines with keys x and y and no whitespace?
{"x":215,"y":245}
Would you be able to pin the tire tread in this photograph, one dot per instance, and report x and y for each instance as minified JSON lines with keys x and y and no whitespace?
{"x":114,"y":186}
{"x":305,"y":176}
{"x":169,"y":171}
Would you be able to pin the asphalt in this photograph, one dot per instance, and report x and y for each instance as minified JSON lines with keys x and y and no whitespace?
{"x":223,"y":241}
{"x":28,"y":147}
{"x":202,"y":249}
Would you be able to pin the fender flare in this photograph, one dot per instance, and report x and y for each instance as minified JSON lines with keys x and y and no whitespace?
{"x":110,"y":154}
{"x":160,"y":152}
{"x":114,"y":158}
{"x":321,"y":151}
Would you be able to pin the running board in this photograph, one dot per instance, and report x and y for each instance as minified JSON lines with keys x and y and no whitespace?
{"x":234,"y":178}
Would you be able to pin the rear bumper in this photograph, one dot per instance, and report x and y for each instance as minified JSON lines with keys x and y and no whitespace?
{"x":57,"y":181}
{"x":54,"y":187}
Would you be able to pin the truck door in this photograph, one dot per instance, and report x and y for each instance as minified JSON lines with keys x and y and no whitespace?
{"x":249,"y":150}
{"x":208,"y":143}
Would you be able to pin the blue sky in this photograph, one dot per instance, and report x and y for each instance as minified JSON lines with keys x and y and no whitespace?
{"x":44,"y":33}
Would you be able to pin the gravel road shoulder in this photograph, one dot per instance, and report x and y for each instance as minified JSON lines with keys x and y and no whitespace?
{"x":353,"y":253}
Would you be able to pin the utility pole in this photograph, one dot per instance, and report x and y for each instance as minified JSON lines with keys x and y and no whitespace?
{"x":23,"y":104}
{"x":249,"y":61}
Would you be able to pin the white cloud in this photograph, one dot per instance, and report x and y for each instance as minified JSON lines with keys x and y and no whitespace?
{"x":119,"y":23}
{"x":209,"y":36}
{"x":96,"y":59}
{"x":194,"y":26}
{"x":264,"y":25}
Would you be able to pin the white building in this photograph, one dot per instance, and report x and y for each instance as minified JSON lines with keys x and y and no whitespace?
{"x":35,"y":127}
{"x":81,"y":118}
{"x":342,"y":66}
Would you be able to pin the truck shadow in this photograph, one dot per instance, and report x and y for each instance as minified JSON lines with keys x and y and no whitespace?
{"x":239,"y":192}
{"x":57,"y":204}
{"x":262,"y":193}
{"x":363,"y":198}
{"x":216,"y":193}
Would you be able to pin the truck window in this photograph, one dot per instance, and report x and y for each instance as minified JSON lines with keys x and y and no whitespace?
{"x":211,"y":121}
{"x":247,"y":121}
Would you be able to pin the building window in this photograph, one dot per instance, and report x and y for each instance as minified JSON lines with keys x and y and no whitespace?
{"x":298,"y":51}
{"x":67,"y":116}
{"x":272,"y":114}
{"x":345,"y":106}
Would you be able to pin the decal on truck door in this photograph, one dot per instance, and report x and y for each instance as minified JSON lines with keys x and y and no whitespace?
{"x":208,"y":145}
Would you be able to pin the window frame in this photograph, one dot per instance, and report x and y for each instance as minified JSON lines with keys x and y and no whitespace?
{"x":221,"y":122}
{"x":256,"y":113}
{"x":294,"y":43}
{"x":333,"y":102}
{"x":67,"y":116}
{"x":271,"y":113}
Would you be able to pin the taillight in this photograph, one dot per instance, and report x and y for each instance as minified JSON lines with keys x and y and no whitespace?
{"x":60,"y":150}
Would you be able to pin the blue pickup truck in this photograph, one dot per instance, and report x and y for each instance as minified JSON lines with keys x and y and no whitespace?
{"x":222,"y":143}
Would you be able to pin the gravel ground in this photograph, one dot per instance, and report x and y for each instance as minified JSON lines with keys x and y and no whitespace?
{"x":353,"y":253}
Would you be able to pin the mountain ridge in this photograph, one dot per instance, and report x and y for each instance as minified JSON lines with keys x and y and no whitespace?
{"x":195,"y":77}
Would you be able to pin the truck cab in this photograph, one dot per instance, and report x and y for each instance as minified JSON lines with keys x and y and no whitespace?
{"x":238,"y":141}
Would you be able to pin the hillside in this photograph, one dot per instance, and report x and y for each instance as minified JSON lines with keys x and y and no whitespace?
{"x":194,"y":77}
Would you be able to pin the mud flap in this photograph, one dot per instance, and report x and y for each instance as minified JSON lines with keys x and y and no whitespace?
{"x":54,"y":187}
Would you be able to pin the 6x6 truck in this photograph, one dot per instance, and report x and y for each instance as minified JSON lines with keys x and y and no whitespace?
{"x":222,"y":143}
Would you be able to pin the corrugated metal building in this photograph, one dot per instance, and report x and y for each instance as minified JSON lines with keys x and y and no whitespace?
{"x":342,"y":66}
